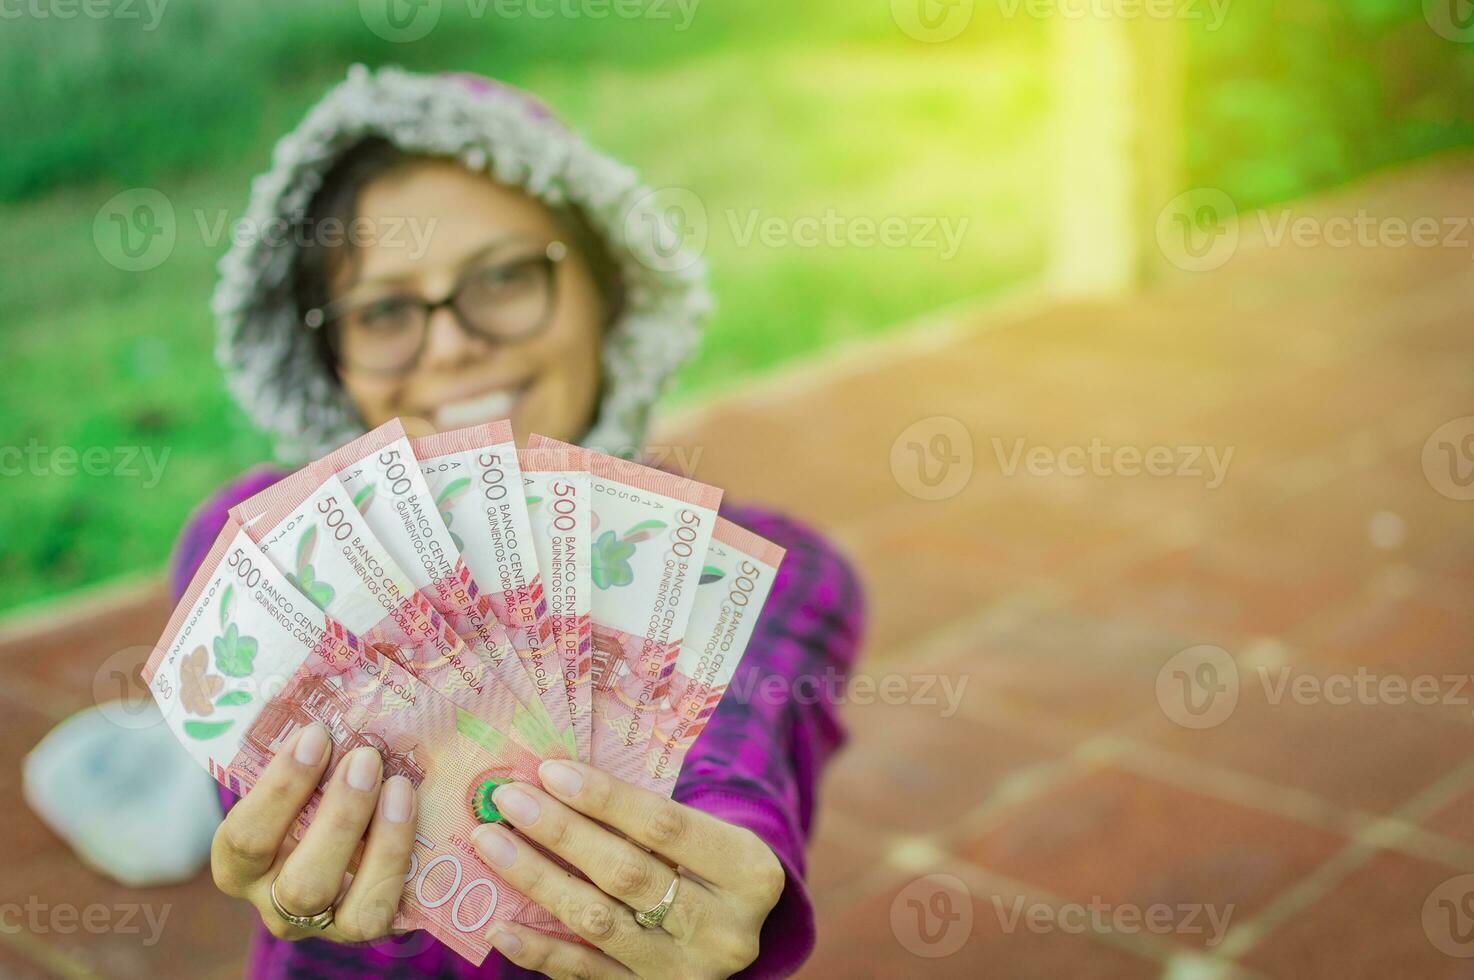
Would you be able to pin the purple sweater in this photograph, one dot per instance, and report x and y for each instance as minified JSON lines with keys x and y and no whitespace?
{"x":756,"y":764}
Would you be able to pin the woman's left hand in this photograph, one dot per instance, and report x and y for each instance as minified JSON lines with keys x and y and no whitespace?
{"x":731,"y":879}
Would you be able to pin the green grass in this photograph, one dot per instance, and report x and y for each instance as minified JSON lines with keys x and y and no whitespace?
{"x":758,"y":110}
{"x":763,"y":109}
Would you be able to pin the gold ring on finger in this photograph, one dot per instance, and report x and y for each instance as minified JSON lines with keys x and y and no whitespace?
{"x":318,"y":920}
{"x":653,"y":918}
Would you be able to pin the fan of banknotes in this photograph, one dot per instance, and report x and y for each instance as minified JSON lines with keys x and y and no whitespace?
{"x":469,"y":609}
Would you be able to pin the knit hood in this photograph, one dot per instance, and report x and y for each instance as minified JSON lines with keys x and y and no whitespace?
{"x":269,"y":356}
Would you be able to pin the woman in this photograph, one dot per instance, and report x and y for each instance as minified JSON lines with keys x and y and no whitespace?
{"x":441,"y":249}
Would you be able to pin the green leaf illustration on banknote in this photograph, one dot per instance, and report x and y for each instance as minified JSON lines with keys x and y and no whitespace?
{"x":197,"y":690}
{"x":205,"y":730}
{"x":446,"y":499}
{"x":480,"y":732}
{"x":494,"y":742}
{"x":609,"y":565}
{"x":364,"y":499}
{"x":534,"y":729}
{"x":642,"y":530}
{"x":234,"y":653}
{"x":539,"y":734}
{"x":304,"y":578}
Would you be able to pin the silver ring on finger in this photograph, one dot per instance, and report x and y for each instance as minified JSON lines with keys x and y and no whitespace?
{"x":318,"y":920}
{"x":652,"y":918}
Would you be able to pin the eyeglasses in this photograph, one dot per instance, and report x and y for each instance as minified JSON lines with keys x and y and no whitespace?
{"x":501,"y":302}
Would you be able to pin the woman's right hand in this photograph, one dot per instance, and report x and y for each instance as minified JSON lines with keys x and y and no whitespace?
{"x":254,"y":847}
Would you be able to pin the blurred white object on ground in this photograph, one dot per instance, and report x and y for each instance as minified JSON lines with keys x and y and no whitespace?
{"x":126,"y":797}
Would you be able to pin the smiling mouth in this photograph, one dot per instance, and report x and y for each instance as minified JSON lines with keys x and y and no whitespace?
{"x":485,"y":407}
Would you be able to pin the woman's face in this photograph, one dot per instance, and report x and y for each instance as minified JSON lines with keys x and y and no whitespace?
{"x":438,"y":223}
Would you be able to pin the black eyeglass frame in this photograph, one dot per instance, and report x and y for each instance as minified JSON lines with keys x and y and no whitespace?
{"x":325,"y":317}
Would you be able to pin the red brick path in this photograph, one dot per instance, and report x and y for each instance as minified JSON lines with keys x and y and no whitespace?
{"x":1062,"y":781}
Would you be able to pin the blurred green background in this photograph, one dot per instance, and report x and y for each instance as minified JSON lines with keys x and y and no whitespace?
{"x":761,"y":106}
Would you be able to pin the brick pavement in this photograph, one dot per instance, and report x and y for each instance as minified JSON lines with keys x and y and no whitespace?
{"x":1051,"y":604}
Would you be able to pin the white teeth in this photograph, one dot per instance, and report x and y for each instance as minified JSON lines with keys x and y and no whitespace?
{"x":482,"y":408}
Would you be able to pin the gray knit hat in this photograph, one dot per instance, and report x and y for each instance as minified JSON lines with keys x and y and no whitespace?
{"x":269,"y":357}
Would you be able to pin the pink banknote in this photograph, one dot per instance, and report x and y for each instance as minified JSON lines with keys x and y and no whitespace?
{"x":247,"y":660}
{"x":735,"y":580}
{"x":411,"y":519}
{"x":477,"y":482}
{"x":555,"y":481}
{"x":651,"y":530}
{"x":308,"y":527}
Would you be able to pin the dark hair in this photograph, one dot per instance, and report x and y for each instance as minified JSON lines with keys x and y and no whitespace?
{"x":336,"y":200}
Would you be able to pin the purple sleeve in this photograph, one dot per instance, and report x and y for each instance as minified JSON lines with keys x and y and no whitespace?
{"x":204,"y":524}
{"x":758,"y":761}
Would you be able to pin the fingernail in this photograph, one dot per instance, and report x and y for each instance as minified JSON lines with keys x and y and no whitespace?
{"x":363,"y":768}
{"x":506,"y":942}
{"x":495,"y":845}
{"x":563,"y":780}
{"x":398,"y":800}
{"x":312,"y":744}
{"x":516,"y":804}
